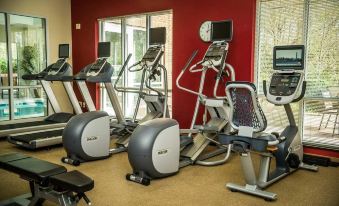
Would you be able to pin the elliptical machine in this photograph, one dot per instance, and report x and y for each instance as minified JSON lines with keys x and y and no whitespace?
{"x":150,"y":67}
{"x":156,"y":148}
{"x":86,"y":137}
{"x":249,"y":121}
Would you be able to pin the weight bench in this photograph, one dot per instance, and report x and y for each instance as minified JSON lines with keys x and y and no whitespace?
{"x":48,"y":181}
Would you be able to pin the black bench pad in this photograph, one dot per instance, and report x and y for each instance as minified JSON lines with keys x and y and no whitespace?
{"x":74,"y":181}
{"x":5,"y":158}
{"x":34,"y":169}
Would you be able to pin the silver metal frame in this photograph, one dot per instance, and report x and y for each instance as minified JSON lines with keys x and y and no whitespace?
{"x":201,"y":140}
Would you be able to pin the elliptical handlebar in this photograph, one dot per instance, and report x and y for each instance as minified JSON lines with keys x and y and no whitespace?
{"x":134,"y":65}
{"x":231,"y":73}
{"x":183,"y":71}
{"x":121,"y":72}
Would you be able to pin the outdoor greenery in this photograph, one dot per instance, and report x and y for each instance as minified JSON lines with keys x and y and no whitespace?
{"x":315,"y":24}
{"x":29,"y":62}
{"x":284,"y":24}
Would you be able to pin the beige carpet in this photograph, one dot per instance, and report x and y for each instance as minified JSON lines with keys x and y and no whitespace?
{"x":193,"y":185}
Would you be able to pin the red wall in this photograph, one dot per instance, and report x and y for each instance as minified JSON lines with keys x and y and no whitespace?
{"x":187,"y":17}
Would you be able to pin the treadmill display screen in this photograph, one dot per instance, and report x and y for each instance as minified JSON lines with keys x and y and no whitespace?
{"x":222,"y":30}
{"x":57,"y":65}
{"x":157,"y":35}
{"x":104,"y":49}
{"x":63,"y":50}
{"x":97,"y":65}
{"x":288,"y":57}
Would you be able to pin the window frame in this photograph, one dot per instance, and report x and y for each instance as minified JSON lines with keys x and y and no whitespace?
{"x":124,"y":53}
{"x":11,"y":86}
{"x":302,"y":103}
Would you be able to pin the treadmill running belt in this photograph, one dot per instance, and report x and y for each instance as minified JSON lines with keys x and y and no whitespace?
{"x":26,"y":138}
{"x":24,"y":124}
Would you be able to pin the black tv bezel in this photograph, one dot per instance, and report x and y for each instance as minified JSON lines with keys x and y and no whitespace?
{"x":157,"y":28}
{"x":63,"y":57}
{"x":220,"y":39}
{"x":289,"y":47}
{"x":104,"y":43}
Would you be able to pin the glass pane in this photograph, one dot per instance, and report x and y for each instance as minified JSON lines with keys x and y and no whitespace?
{"x":323,"y":54}
{"x":111,"y":31}
{"x":136,"y":45}
{"x":3,"y":52}
{"x":321,"y":119}
{"x":165,"y":20}
{"x":276,"y":116}
{"x":29,"y":102}
{"x":28,"y":45}
{"x":106,"y":104}
{"x":280,"y":24}
{"x":4,"y":104}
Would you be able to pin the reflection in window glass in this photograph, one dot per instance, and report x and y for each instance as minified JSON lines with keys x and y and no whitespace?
{"x":3,"y":53}
{"x":4,"y":104}
{"x":29,"y":102}
{"x":28,"y":45}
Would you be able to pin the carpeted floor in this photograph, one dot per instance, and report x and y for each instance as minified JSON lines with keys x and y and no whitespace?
{"x":193,"y":185}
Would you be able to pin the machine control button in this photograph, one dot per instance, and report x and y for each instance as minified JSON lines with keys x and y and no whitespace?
{"x":278,"y":98}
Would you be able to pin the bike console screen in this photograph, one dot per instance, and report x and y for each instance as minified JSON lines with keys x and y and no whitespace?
{"x":288,"y":57}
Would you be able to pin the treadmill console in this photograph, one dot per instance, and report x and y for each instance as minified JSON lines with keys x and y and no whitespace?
{"x":96,"y":67}
{"x":216,"y":53}
{"x":56,"y":67}
{"x":151,"y":55}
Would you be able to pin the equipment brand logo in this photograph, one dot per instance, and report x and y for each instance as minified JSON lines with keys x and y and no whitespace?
{"x":92,"y":138}
{"x":162,"y":152}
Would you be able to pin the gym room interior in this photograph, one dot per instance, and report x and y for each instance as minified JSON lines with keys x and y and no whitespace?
{"x":169,"y":102}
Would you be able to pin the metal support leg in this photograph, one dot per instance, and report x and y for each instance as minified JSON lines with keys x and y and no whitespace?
{"x":335,"y":123}
{"x":251,"y":186}
{"x":328,"y":119}
{"x":248,"y":169}
{"x":321,"y":121}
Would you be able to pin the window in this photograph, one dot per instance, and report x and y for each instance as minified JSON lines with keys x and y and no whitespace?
{"x":22,"y":51}
{"x":315,"y":24}
{"x":129,"y":35}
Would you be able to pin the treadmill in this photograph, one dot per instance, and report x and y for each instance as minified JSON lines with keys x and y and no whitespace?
{"x":100,"y":71}
{"x":60,"y":71}
{"x":56,"y":120}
